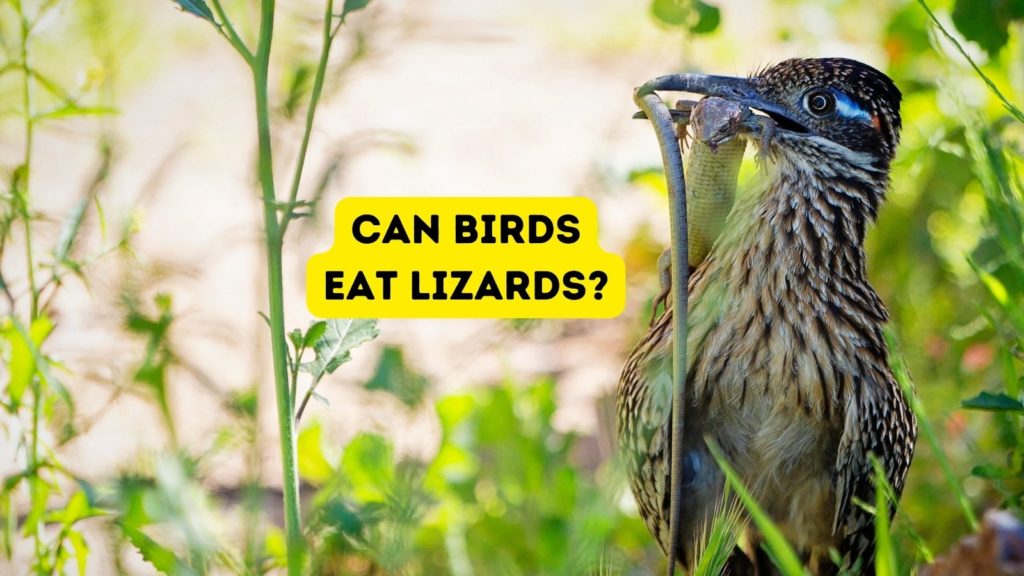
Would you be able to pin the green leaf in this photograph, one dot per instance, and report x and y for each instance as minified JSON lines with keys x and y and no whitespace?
{"x":295,"y":337}
{"x":695,"y":15}
{"x":19,"y":176}
{"x":650,"y":179}
{"x":11,"y":482}
{"x":315,"y":332}
{"x":244,"y":402}
{"x":394,"y":377}
{"x":299,"y":85}
{"x":367,"y":464}
{"x":25,"y":354}
{"x":313,"y":465}
{"x":159,"y":354}
{"x":162,"y":558}
{"x":76,"y":508}
{"x":274,"y":545}
{"x":995,"y":287}
{"x":37,"y":512}
{"x":69,"y":230}
{"x":708,"y":18}
{"x":8,"y":526}
{"x":81,"y":549}
{"x":353,"y":6}
{"x":993,"y":403}
{"x":987,"y":22}
{"x":72,"y":110}
{"x":334,"y":347}
{"x":670,"y":12}
{"x":1000,"y":294}
{"x":342,"y":516}
{"x":197,"y":8}
{"x":990,"y":472}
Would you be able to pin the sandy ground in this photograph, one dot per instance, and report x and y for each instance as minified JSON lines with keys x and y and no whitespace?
{"x":495,"y":98}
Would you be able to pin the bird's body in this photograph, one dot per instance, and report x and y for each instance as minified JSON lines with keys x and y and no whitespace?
{"x":787,"y":364}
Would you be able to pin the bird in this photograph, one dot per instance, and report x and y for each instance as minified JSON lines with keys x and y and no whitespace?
{"x":787,"y":363}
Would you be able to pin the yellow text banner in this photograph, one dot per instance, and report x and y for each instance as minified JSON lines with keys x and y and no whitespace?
{"x":481,"y":257}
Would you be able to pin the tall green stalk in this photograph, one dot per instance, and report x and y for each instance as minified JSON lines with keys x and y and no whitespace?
{"x":260,"y":65}
{"x":26,"y":166}
{"x":276,"y":217}
{"x":36,"y":489}
{"x":329,"y":32}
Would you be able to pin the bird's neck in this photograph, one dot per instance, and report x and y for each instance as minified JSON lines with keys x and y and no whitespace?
{"x":814,"y":223}
{"x":801,"y":236}
{"x":816,"y":215}
{"x":790,"y":270}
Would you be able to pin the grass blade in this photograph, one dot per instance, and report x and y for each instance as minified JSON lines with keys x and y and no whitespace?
{"x":886,"y":563}
{"x":717,"y":541}
{"x":899,"y":371}
{"x":782,"y":554}
{"x":959,"y":48}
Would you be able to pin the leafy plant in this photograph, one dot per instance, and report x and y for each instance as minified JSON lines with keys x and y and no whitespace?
{"x":278,"y":213}
{"x":499,"y":496}
{"x":504,"y":490}
{"x":332,"y":342}
{"x":34,"y":401}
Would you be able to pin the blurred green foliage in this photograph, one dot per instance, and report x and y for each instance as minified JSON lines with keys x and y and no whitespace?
{"x":987,"y":22}
{"x":393,"y":376}
{"x":500,"y":496}
{"x":693,"y":16}
{"x":947,"y":257}
{"x":504,"y":492}
{"x":44,"y":505}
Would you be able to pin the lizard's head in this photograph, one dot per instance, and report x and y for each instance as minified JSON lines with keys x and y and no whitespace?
{"x":821,"y":106}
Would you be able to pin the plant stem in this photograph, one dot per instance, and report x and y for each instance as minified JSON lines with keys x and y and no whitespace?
{"x":37,"y":409}
{"x":314,"y":98}
{"x":26,"y":166}
{"x":272,"y":228}
{"x":227,"y":30}
{"x":1016,"y":112}
{"x":305,"y":400}
{"x":22,"y":192}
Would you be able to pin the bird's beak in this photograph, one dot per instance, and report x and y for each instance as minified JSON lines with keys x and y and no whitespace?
{"x":740,"y":90}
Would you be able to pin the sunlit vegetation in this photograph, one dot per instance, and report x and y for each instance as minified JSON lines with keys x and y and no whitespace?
{"x":503,"y":491}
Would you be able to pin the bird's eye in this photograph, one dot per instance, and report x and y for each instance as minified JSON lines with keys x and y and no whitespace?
{"x":820,"y":103}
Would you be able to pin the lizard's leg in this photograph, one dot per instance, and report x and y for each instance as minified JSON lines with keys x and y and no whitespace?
{"x":766,"y":126}
{"x":683,"y":120}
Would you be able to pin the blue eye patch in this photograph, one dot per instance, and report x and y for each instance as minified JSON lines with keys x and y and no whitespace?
{"x":847,"y":108}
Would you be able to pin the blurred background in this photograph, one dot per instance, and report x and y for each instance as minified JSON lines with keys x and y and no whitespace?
{"x":138,"y":432}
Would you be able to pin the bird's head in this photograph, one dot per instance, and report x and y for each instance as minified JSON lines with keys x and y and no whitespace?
{"x":817,"y":103}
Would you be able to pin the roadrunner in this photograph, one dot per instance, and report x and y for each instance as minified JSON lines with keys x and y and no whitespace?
{"x":787,"y":364}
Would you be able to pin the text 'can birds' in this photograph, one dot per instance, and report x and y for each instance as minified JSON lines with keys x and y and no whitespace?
{"x":481,"y":257}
